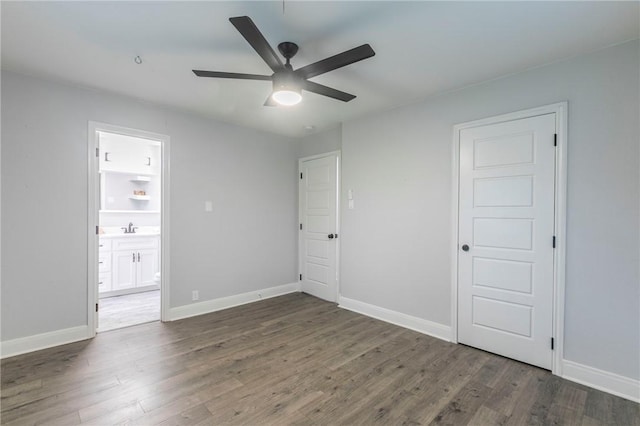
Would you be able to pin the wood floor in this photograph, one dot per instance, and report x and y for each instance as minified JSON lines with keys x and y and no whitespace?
{"x":289,"y":360}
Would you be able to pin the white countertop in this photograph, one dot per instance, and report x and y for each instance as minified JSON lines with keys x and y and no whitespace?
{"x":118,"y":232}
{"x":123,"y":235}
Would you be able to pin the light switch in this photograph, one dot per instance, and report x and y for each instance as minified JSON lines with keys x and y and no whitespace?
{"x":351,"y":207}
{"x":208,"y":206}
{"x":350,"y":194}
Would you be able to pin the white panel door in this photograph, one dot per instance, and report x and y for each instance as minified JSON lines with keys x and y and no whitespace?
{"x":506,"y":225}
{"x":318,"y":233}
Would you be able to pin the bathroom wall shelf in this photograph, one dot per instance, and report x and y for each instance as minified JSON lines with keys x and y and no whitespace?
{"x":131,"y":211}
{"x":140,"y":179}
{"x":133,"y":174}
{"x":140,"y":197}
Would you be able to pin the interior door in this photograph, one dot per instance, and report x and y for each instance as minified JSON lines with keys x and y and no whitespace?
{"x":318,"y":227}
{"x":506,"y":242}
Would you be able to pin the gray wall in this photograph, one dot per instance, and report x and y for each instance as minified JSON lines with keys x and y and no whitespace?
{"x":118,"y":220}
{"x":247,"y":243}
{"x":396,"y":243}
{"x":319,"y":143}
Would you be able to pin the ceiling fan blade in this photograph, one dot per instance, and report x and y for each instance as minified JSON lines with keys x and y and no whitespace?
{"x":236,"y":75}
{"x":270,"y":102}
{"x":252,"y":34}
{"x":337,"y":61}
{"x":310,"y":86}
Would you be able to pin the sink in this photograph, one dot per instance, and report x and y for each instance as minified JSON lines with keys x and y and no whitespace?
{"x":137,"y":234}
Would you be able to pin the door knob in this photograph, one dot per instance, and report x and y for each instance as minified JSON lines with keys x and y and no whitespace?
{"x":331,"y":236}
{"x":465,"y":247}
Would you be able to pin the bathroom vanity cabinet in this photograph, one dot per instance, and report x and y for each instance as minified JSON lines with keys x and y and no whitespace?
{"x":127,"y":263}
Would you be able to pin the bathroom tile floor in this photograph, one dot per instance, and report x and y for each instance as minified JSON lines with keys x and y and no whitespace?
{"x":131,"y":309}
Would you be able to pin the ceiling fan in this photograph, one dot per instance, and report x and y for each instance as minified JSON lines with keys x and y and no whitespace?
{"x":287,"y":82}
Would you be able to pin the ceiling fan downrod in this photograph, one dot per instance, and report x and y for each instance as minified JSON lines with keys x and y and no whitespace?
{"x":288,"y":49}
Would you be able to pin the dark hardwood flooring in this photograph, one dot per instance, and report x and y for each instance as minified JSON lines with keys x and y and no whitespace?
{"x":289,"y":360}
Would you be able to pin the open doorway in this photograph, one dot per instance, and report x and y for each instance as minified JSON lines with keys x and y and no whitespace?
{"x":128,"y":183}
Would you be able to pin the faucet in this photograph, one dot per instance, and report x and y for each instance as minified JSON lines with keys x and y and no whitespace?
{"x":131,"y":229}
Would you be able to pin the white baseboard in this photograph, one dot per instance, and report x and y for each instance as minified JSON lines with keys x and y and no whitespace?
{"x":209,"y":306}
{"x":598,"y":379}
{"x":36,"y":342}
{"x":602,"y":380}
{"x":420,"y":325}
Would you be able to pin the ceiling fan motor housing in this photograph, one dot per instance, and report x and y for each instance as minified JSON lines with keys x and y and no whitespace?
{"x":286,"y":80}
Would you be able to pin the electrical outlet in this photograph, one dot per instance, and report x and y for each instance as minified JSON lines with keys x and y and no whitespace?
{"x":195,"y":295}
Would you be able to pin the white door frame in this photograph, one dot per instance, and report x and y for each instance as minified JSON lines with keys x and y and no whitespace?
{"x":335,"y":154}
{"x":93,"y":218}
{"x":560,"y":109}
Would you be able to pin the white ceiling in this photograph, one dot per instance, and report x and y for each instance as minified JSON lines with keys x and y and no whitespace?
{"x":422,"y":48}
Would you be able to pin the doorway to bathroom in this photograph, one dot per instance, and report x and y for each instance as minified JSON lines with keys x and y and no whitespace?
{"x":126,"y":283}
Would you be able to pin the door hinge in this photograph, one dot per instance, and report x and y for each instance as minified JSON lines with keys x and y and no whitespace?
{"x":96,"y":307}
{"x":300,"y":175}
{"x":301,"y":227}
{"x":554,"y":241}
{"x":97,"y":152}
{"x":97,"y":230}
{"x":552,"y":343}
{"x":300,"y":277}
{"x":555,"y":139}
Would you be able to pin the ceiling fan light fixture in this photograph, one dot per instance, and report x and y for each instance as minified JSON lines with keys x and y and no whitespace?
{"x":287,"y":96}
{"x":287,"y":90}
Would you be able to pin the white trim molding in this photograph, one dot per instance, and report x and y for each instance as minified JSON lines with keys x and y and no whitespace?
{"x":420,"y":325}
{"x":602,"y":380}
{"x":219,"y":304}
{"x":93,"y":217}
{"x":37,"y":342}
{"x":560,"y":111}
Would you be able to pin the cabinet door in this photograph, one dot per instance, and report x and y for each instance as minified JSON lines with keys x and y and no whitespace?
{"x":113,"y":153}
{"x":123,"y":270}
{"x":104,"y":282}
{"x":104,"y":262}
{"x":119,"y":153}
{"x":147,"y":267}
{"x":153,"y":157}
